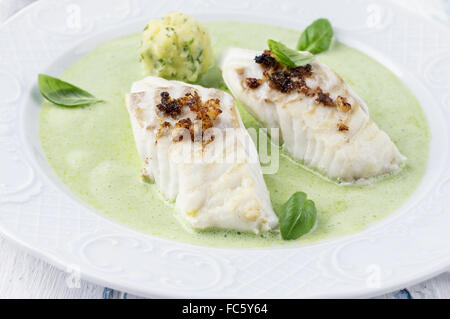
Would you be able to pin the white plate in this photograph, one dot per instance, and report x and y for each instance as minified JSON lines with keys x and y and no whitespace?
{"x":39,"y":213}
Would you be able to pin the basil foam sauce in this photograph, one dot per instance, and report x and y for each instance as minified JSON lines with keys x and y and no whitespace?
{"x":93,"y":152}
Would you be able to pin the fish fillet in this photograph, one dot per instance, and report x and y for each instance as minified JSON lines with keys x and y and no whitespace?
{"x":215,"y":181}
{"x":322,"y":122}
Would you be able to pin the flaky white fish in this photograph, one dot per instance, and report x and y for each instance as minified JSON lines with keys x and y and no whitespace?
{"x":322,"y":121}
{"x":215,"y":180}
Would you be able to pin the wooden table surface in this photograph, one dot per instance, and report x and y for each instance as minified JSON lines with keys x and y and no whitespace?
{"x":24,"y":276}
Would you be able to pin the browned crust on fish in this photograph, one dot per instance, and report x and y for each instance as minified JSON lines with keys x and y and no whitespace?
{"x":288,"y":80}
{"x":342,"y":127}
{"x":206,"y":113}
{"x":253,"y":83}
{"x":343,"y":105}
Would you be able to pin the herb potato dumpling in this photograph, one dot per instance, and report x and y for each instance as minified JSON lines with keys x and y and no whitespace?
{"x":176,"y":47}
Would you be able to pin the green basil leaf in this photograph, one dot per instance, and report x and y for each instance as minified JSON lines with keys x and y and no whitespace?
{"x":317,"y":37}
{"x":64,"y":94}
{"x":297,"y":217}
{"x":287,"y":56}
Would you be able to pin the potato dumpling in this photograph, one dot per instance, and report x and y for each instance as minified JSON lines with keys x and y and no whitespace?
{"x":176,"y":47}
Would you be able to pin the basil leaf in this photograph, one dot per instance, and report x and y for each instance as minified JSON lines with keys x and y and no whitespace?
{"x":64,"y":94}
{"x":317,"y":37}
{"x":287,"y":56}
{"x":297,"y":217}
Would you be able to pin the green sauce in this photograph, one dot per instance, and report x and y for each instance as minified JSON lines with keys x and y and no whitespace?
{"x":92,"y":149}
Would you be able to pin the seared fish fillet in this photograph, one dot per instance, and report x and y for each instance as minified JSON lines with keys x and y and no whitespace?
{"x":213,"y":174}
{"x":322,"y":122}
